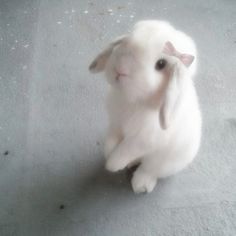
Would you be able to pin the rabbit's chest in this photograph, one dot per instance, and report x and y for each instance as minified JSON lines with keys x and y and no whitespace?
{"x":131,"y":119}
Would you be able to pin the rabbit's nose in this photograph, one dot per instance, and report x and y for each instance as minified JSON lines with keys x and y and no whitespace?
{"x":122,"y":71}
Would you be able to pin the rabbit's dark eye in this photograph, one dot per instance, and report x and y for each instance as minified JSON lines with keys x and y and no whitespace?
{"x":160,"y":64}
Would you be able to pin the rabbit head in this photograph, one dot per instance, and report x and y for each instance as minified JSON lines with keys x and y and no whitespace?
{"x":148,"y":63}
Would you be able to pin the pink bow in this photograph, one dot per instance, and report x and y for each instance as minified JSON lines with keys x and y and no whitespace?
{"x":170,"y":50}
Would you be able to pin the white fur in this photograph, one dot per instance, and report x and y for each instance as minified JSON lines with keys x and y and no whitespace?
{"x":135,"y":101}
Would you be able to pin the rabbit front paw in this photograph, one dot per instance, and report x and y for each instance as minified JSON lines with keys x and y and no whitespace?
{"x":115,"y":164}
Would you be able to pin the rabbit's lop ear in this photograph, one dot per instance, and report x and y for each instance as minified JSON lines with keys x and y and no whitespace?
{"x":100,"y":61}
{"x":175,"y":79}
{"x":171,"y":96}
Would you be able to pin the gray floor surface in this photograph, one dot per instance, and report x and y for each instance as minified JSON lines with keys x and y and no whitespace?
{"x":53,"y":121}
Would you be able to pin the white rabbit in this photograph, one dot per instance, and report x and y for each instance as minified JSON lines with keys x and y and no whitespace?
{"x":153,"y":107}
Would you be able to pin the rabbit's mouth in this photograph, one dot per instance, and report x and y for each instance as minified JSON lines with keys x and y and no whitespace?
{"x":120,"y":74}
{"x":120,"y":77}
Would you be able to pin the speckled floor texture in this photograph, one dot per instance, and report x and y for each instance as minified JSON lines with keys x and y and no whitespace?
{"x":53,"y":121}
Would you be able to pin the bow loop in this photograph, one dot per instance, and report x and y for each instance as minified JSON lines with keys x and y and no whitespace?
{"x":170,"y":50}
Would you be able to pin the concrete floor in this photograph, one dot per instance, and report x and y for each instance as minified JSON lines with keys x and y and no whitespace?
{"x":52,"y":123}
